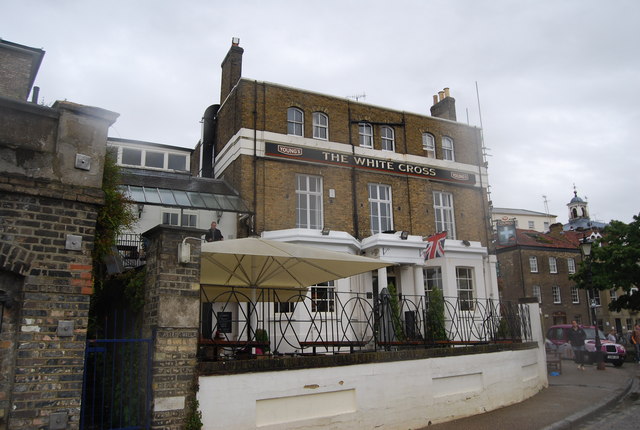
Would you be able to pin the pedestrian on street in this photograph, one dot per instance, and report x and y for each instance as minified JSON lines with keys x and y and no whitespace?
{"x":611,"y":337}
{"x":635,"y":339}
{"x":577,"y":337}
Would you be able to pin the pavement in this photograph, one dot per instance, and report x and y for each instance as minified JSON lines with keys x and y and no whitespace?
{"x":572,"y":397}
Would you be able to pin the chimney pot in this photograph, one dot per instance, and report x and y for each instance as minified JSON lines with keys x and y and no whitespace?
{"x":435,"y":99}
{"x":446,"y":92}
{"x":235,"y":41}
{"x":440,"y":95}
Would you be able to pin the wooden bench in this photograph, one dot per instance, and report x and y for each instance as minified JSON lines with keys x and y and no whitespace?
{"x":351,"y":344}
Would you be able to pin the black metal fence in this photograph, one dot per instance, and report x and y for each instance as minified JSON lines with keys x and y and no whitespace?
{"x":116,"y":392}
{"x":131,"y":250}
{"x":322,"y":320}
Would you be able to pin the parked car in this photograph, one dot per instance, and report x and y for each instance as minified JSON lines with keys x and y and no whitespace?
{"x":612,"y":352}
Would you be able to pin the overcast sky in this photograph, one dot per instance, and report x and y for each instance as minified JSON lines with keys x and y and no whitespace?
{"x":559,"y":81}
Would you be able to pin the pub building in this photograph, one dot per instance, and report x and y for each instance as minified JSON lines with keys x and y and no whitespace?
{"x":343,"y":175}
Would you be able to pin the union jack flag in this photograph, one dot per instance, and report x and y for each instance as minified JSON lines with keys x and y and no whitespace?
{"x":435,"y":246}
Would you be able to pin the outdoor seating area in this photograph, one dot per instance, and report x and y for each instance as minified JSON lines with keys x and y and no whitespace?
{"x":320,"y":321}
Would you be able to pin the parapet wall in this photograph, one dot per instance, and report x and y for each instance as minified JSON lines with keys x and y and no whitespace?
{"x":383,"y":395}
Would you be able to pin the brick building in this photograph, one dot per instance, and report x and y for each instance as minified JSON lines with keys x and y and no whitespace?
{"x":538,"y":265}
{"x":51,"y":164}
{"x":344,"y":175}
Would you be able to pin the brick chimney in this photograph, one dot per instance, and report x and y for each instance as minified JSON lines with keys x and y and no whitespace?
{"x":231,"y":68}
{"x":444,"y":106}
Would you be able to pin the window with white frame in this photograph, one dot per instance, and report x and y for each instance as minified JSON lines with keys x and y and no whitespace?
{"x":295,"y":121}
{"x":153,"y":159}
{"x":283,"y":307}
{"x":443,"y":209}
{"x":323,"y":297}
{"x":380,"y":208}
{"x":429,"y":145}
{"x":131,"y":157}
{"x":553,"y":265}
{"x":388,"y":138}
{"x":432,"y":279}
{"x":170,"y":218}
{"x":309,"y":202}
{"x":532,"y":225}
{"x":537,"y":293}
{"x":555,"y":291}
{"x":575,"y":295}
{"x":320,"y":126}
{"x":447,"y":149}
{"x":464,"y":281}
{"x":613,"y":294}
{"x":594,"y":297}
{"x":533,"y":264}
{"x":365,"y":132}
{"x":571,"y":265}
{"x":189,"y":219}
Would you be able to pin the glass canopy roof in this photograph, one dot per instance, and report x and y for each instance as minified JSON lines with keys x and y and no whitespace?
{"x":185,"y":199}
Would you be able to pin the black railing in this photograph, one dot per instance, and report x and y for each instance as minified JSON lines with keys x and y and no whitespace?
{"x":131,"y":250}
{"x":247,"y":321}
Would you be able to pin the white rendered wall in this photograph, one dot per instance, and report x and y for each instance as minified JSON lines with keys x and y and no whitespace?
{"x":393,"y":395}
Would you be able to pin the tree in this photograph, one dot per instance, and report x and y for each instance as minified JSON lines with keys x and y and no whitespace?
{"x":615,"y":263}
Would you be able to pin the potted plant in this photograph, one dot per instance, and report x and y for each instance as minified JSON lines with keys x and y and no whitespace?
{"x":262,"y":336}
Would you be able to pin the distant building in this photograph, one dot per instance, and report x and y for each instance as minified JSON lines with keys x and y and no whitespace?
{"x":159,"y":181}
{"x":579,"y":218}
{"x":524,"y":218}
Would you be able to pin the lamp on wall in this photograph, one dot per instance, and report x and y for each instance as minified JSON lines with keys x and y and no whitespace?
{"x":404,"y":235}
{"x":325,"y":231}
{"x":140,"y":209}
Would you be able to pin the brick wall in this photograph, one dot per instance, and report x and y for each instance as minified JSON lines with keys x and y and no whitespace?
{"x":172,"y":303}
{"x":48,"y":208}
{"x":264,"y":106}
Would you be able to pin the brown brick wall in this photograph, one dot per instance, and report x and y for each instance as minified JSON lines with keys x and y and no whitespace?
{"x":515,"y":269}
{"x":275,"y":180}
{"x":55,"y":286}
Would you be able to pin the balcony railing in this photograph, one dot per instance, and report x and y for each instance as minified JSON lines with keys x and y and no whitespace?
{"x":130,"y":250}
{"x":242,"y":322}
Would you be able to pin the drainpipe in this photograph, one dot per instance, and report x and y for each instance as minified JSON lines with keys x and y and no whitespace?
{"x":356,"y":228}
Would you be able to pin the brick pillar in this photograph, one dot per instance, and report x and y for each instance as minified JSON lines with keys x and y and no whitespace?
{"x":172,"y":315}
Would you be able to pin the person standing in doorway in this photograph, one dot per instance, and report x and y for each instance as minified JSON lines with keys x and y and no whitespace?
{"x":577,"y":337}
{"x":213,"y":234}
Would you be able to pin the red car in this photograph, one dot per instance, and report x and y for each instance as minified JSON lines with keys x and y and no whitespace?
{"x":612,"y":352}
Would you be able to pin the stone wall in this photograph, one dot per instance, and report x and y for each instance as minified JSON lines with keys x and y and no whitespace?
{"x":50,"y":191}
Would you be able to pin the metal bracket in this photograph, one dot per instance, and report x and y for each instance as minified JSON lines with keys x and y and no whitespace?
{"x":83,"y":162}
{"x":58,"y":421}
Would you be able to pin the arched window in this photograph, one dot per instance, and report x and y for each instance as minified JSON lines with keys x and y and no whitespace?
{"x":429,"y":144}
{"x":388,"y":139}
{"x":320,"y":126}
{"x":447,"y":149}
{"x":365,"y":132}
{"x":295,"y":121}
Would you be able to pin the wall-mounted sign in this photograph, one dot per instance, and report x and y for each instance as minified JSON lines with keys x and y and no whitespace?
{"x":368,"y":163}
{"x":506,"y":232}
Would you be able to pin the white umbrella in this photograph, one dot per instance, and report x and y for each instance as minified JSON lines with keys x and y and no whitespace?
{"x":285,"y":268}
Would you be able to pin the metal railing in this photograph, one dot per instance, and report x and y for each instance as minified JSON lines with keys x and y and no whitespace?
{"x":131,"y":250}
{"x":316,"y":321}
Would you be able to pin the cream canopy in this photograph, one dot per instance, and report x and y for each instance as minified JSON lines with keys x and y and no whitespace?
{"x":285,"y":267}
